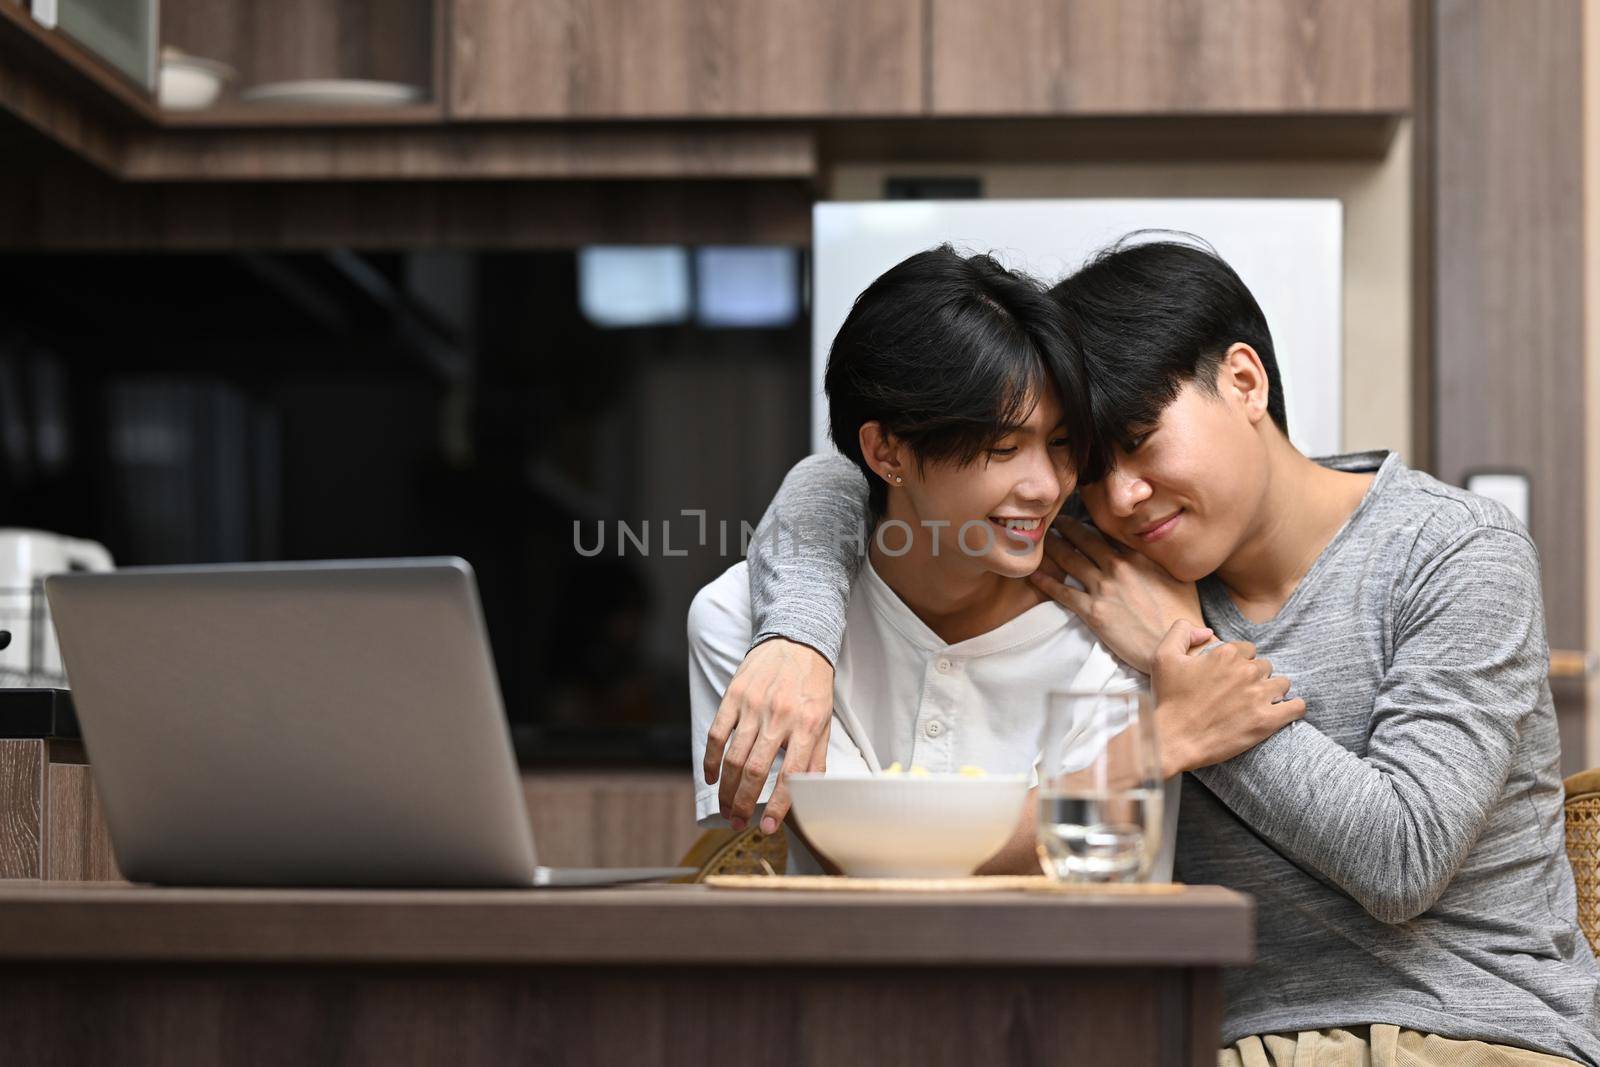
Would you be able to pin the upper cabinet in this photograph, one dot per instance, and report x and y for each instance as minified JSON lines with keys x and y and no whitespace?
{"x":348,"y":90}
{"x":685,"y":59}
{"x":697,"y":59}
{"x":1110,"y":57}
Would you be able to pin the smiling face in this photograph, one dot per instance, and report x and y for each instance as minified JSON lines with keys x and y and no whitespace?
{"x":998,"y":506}
{"x":1187,"y":490}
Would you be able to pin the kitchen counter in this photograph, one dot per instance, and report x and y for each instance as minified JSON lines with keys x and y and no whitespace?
{"x":655,"y":974}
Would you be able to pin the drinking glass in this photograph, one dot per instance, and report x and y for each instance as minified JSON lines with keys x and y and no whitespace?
{"x":1100,"y":788}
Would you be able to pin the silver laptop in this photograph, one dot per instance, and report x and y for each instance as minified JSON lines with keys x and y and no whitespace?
{"x":305,"y":724}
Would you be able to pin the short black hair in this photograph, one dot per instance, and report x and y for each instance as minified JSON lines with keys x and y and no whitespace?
{"x":1150,"y":316}
{"x":947,"y":352}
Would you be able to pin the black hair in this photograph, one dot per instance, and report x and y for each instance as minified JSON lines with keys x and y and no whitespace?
{"x":1148,"y":318}
{"x":948,"y":352}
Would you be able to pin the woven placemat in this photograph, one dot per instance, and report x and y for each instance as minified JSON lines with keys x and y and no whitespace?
{"x":1026,"y":883}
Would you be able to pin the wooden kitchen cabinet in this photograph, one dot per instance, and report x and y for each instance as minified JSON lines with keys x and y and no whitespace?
{"x":1105,"y":57}
{"x":659,"y":59}
{"x":52,"y":825}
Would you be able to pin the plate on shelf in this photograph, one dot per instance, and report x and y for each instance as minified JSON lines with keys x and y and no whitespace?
{"x":333,"y":92}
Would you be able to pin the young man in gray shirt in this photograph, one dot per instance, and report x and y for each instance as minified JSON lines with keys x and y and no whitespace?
{"x":1404,"y":841}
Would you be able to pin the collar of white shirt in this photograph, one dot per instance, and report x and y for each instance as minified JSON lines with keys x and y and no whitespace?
{"x":1031,"y":624}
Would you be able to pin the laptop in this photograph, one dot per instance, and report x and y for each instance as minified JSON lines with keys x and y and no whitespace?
{"x":301,"y":724}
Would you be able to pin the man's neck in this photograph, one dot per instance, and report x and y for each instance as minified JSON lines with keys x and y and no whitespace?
{"x":950,"y":593}
{"x":1303,"y":507}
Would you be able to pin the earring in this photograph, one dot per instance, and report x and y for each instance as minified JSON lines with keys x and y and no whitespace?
{"x":899,"y":480}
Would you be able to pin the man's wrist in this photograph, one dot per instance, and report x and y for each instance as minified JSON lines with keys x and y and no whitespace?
{"x":1142,"y":660}
{"x":1174,"y":754}
{"x":769,"y":635}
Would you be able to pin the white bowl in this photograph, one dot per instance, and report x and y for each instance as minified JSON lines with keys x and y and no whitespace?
{"x":190,"y":83}
{"x":927,"y":826}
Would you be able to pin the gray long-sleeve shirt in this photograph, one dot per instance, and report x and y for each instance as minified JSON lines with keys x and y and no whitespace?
{"x":1404,"y":841}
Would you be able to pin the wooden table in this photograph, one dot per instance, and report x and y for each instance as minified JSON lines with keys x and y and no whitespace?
{"x":96,"y":973}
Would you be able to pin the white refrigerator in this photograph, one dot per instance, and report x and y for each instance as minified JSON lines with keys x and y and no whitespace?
{"x":1288,"y":251}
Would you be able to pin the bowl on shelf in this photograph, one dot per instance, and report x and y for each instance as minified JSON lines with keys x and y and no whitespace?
{"x":908,"y":826}
{"x":191,"y":83}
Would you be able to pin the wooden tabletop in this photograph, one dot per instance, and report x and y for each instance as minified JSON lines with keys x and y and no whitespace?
{"x":656,"y":925}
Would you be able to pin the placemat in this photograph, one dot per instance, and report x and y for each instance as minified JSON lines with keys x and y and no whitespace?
{"x":1026,"y":883}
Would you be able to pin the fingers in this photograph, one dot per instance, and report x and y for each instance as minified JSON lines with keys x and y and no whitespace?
{"x":1187,"y":639}
{"x":778,"y":803}
{"x":1279,"y":711}
{"x":1090,"y":542}
{"x":1057,"y":549}
{"x":1048,"y":565}
{"x":728,"y":716}
{"x":1063,"y":559}
{"x":1081,"y":567}
{"x":796,"y":758}
{"x":756,"y":768}
{"x":819,"y":755}
{"x":1178,"y":639}
{"x":744,"y":738}
{"x":1074,"y":600}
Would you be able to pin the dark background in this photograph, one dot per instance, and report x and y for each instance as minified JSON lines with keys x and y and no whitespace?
{"x":217,"y":408}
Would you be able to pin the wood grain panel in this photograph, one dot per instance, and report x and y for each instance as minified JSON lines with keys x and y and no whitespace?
{"x":22,"y":807}
{"x":658,"y":1017}
{"x":1423,"y":279}
{"x":438,"y":154}
{"x":1204,"y":1010}
{"x":611,"y":819}
{"x":684,"y":58}
{"x":1023,"y":57}
{"x":71,"y":210}
{"x":1156,"y":139}
{"x":1508,"y":252}
{"x":580,"y":819}
{"x":289,"y":117}
{"x":78,"y":842}
{"x":691,"y":925}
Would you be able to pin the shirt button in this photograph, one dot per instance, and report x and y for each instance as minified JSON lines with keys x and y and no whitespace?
{"x":933,"y":729}
{"x":944,"y":665}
